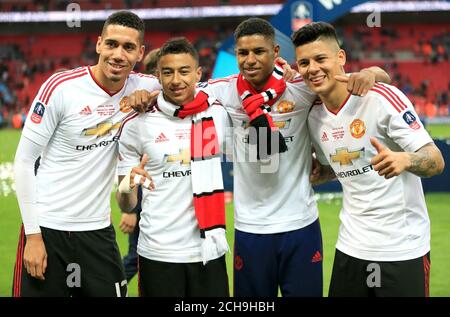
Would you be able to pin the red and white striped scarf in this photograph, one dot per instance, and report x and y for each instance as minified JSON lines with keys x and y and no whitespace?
{"x":206,"y":172}
{"x":258,"y":107}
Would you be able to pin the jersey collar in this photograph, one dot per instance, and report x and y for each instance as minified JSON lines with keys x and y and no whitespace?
{"x":340,"y":107}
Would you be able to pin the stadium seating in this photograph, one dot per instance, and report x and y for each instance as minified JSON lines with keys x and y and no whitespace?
{"x":415,"y":71}
{"x":394,"y":38}
{"x":415,"y":55}
{"x":46,"y":53}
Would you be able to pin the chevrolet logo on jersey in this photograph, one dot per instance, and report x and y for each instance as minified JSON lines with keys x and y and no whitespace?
{"x":184,"y":157}
{"x":344,"y":157}
{"x":102,"y":129}
{"x":282,"y":124}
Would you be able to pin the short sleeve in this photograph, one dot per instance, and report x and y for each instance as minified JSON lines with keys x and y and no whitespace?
{"x":222,"y":123}
{"x":403,"y":125}
{"x":299,"y":88}
{"x":45,"y":113}
{"x":152,"y":84}
{"x":219,"y":89}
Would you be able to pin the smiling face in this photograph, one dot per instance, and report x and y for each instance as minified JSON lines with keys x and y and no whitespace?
{"x":119,"y":48}
{"x":178,"y":75}
{"x":318,"y":62}
{"x":256,"y":56}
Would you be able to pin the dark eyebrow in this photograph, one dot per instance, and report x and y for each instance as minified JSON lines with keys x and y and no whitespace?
{"x":185,"y":67}
{"x":126,"y":43}
{"x":253,"y":49}
{"x":316,"y":56}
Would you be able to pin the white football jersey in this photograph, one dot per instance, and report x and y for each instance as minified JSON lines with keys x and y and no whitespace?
{"x":381,"y":220}
{"x":274,"y":196}
{"x":169,"y":228}
{"x":77,"y":120}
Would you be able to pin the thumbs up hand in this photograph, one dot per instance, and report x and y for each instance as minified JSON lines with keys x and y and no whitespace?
{"x":358,"y":83}
{"x":342,"y":78}
{"x":388,"y":163}
{"x":141,"y":100}
{"x":377,"y":145}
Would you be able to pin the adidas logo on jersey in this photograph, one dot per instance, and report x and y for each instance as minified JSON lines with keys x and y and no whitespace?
{"x":161,"y":138}
{"x":86,"y":111}
{"x":324,"y":137}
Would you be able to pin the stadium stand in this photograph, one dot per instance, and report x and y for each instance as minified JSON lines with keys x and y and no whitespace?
{"x":27,"y":61}
{"x":415,"y":54}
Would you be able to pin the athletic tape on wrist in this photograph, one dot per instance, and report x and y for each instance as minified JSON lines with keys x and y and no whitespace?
{"x":124,"y":186}
{"x":137,"y":180}
{"x":147,"y":183}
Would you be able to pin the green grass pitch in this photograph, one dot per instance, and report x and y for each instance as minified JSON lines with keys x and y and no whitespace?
{"x":439,"y":131}
{"x":438,"y":207}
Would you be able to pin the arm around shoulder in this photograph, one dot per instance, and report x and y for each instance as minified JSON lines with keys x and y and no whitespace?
{"x":380,"y":74}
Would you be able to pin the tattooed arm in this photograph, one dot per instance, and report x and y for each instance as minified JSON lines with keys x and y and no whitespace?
{"x":425,"y":162}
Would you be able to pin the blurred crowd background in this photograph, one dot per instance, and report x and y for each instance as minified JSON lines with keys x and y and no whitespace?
{"x":412,"y":47}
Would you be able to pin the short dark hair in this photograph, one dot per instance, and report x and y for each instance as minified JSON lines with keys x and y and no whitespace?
{"x":178,"y":45}
{"x":128,"y":19}
{"x":312,"y":32}
{"x":254,"y":26}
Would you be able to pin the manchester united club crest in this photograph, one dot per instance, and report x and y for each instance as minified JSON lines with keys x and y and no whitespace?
{"x":285,"y":106}
{"x":123,"y":105}
{"x":357,"y":128}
